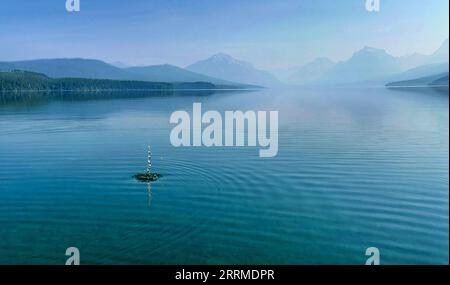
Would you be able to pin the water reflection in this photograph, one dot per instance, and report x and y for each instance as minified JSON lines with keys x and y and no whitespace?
{"x":40,"y":98}
{"x":355,"y":166}
{"x":149,"y":194}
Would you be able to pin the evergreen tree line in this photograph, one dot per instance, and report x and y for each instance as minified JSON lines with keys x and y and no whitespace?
{"x":17,"y":80}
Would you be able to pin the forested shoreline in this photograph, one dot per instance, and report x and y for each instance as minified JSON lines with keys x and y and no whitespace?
{"x":18,"y":80}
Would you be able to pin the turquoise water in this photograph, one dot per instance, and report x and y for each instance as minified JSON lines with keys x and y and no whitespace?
{"x":356,"y":168}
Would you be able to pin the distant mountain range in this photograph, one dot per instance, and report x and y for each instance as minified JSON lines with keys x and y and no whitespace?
{"x":439,"y":56}
{"x":96,"y":69}
{"x":368,"y":66}
{"x":310,"y":72}
{"x":226,"y":67}
{"x":69,"y":68}
{"x":171,"y":73}
{"x":420,"y":71}
{"x":371,"y":66}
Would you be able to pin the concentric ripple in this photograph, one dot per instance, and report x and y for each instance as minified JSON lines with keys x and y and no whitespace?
{"x":355,"y":169}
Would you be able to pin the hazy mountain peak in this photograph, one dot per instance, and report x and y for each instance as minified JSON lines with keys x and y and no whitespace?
{"x":224,"y":66}
{"x":370,"y":51}
{"x":321,"y":60}
{"x":171,"y":73}
{"x":120,"y":64}
{"x":223,"y":58}
{"x":366,"y":64}
{"x":441,"y":54}
{"x":444,"y":44}
{"x":443,"y":49}
{"x":311,"y":71}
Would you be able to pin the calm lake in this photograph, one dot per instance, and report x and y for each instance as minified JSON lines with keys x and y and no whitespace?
{"x":356,"y":168}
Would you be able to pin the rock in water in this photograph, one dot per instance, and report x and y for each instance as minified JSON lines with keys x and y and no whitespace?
{"x":147,"y":177}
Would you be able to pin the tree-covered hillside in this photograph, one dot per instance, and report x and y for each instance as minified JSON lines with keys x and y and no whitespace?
{"x":97,"y":69}
{"x":23,"y":80}
{"x":431,"y":81}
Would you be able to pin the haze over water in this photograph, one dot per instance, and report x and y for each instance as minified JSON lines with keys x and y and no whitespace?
{"x":356,"y":168}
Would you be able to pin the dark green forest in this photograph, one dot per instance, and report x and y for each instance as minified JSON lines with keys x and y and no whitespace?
{"x":30,"y":81}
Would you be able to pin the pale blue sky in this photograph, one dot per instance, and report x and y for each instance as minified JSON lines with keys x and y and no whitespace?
{"x":270,"y":34}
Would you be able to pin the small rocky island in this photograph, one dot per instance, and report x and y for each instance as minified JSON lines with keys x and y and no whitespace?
{"x":148,"y":176}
